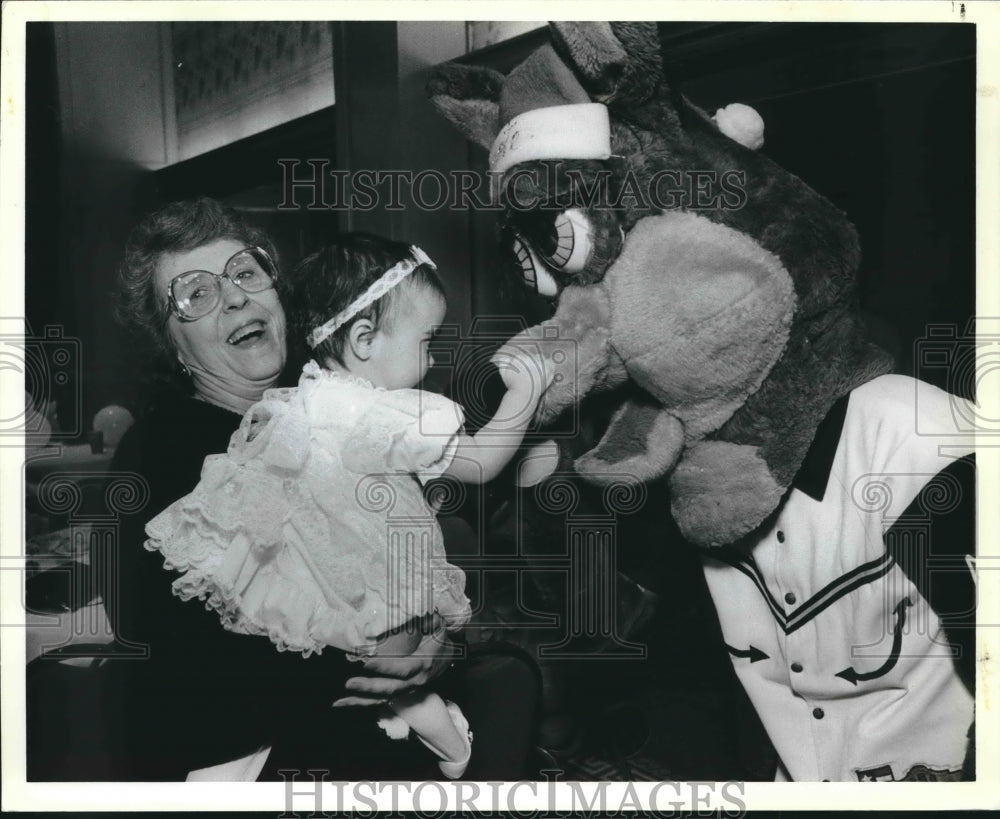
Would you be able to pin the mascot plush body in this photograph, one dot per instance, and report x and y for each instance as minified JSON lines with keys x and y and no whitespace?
{"x":681,"y":260}
{"x":710,"y":296}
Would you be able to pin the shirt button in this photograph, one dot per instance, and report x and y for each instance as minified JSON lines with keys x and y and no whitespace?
{"x":790,"y":598}
{"x":818,"y":713}
{"x":781,"y":536}
{"x":797,"y":667}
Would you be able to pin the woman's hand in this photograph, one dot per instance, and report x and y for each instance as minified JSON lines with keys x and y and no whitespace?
{"x":394,"y":675}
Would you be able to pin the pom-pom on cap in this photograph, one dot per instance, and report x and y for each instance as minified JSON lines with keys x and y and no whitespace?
{"x":742,"y":124}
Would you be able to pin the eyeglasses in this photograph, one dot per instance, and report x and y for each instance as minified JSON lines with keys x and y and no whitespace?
{"x":197,"y":292}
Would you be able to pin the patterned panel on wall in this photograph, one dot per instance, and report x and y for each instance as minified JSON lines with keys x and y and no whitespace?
{"x":223,"y":69}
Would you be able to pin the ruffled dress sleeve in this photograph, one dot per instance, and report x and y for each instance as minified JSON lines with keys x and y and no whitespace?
{"x":409,"y":431}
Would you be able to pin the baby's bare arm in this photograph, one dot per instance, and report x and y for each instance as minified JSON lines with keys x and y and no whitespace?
{"x":527,"y":374}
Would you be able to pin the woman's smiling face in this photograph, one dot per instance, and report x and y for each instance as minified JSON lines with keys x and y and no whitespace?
{"x":237,"y":348}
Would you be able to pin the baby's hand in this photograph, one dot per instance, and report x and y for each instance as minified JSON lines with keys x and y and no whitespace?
{"x":524,"y":368}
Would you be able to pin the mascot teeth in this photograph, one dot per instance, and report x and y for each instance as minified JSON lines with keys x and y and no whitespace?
{"x":572,"y":241}
{"x":533,"y":270}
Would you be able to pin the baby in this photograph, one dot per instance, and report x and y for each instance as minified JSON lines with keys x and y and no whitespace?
{"x":313,"y":528}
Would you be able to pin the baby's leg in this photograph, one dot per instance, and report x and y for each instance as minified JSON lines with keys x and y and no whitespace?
{"x":435,"y":723}
{"x":439,"y":725}
{"x":405,"y":639}
{"x":398,"y":643}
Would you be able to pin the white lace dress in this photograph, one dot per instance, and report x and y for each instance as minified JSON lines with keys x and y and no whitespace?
{"x":313,"y":528}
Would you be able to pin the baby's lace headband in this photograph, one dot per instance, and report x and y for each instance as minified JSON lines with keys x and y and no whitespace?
{"x":393,"y":276}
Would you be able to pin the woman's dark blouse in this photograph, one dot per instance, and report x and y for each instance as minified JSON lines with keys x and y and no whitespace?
{"x":203,"y":695}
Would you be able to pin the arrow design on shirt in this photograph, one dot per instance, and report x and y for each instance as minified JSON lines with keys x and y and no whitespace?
{"x":853,"y":676}
{"x":753,"y":653}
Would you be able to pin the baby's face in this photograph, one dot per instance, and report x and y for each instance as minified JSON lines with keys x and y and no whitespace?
{"x":401,"y":351}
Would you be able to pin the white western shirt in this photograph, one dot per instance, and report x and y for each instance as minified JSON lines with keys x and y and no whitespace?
{"x":843,"y":659}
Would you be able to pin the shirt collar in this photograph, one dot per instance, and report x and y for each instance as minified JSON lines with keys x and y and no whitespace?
{"x":814,"y":474}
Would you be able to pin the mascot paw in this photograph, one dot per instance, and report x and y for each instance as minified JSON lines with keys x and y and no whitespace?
{"x":597,"y":471}
{"x":722,"y":491}
{"x":642,"y":442}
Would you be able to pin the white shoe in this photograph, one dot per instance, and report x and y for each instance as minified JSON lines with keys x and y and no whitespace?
{"x":397,"y":728}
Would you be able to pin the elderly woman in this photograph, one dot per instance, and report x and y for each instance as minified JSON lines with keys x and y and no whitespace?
{"x":201,"y":287}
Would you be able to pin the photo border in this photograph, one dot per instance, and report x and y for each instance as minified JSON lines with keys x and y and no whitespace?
{"x":270,"y":797}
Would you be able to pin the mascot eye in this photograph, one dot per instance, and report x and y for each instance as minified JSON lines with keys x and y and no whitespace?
{"x":533,"y":271}
{"x":572,"y":244}
{"x":524,"y":258}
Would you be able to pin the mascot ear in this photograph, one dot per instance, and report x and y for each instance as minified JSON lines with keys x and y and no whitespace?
{"x":466,"y":96}
{"x":612,"y":59}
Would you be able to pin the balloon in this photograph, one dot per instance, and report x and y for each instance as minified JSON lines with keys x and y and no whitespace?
{"x":112,"y":422}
